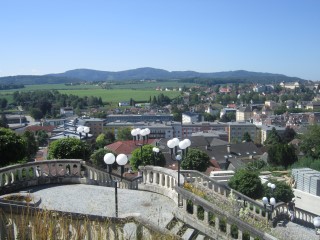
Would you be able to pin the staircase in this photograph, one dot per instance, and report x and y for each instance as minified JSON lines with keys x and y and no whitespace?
{"x":184,"y":231}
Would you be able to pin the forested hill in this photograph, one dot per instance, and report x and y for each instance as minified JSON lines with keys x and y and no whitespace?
{"x":144,"y":73}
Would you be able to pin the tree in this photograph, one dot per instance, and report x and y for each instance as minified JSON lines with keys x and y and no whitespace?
{"x":147,"y":157}
{"x":110,"y":138}
{"x":273,"y":138}
{"x":12,"y":147}
{"x":124,"y":134}
{"x":247,"y":182}
{"x":208,"y":117}
{"x":3,"y":103}
{"x":4,"y":121}
{"x":246,"y":137}
{"x":101,"y":141}
{"x":36,"y":113}
{"x":310,"y":142}
{"x":195,"y":160}
{"x":282,"y":154}
{"x":31,"y":144}
{"x":69,"y":148}
{"x":97,"y":157}
{"x":282,"y":193}
{"x":288,"y":135}
{"x":42,"y":137}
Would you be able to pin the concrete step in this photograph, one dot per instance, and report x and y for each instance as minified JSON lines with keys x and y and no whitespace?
{"x":188,"y":234}
{"x":200,"y":237}
{"x":176,"y":227}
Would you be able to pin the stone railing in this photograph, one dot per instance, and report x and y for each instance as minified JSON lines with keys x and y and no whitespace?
{"x":255,"y":208}
{"x":213,"y":221}
{"x":301,"y":216}
{"x":31,"y":223}
{"x":196,"y":211}
{"x":15,"y":177}
{"x":160,"y":180}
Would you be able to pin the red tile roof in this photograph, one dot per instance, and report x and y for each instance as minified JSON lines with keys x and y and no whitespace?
{"x":38,"y":128}
{"x":125,"y":147}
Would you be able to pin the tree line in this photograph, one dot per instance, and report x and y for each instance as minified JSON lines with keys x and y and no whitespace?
{"x":48,"y":102}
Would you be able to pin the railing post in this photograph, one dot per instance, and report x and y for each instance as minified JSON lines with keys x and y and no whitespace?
{"x":217,"y":223}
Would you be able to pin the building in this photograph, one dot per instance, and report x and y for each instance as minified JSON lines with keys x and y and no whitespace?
{"x":96,"y":125}
{"x":139,"y":118}
{"x":66,"y":111}
{"x":157,"y":129}
{"x":244,"y":113}
{"x":189,"y":117}
{"x":190,"y":128}
{"x":266,"y":129}
{"x":236,"y":130}
{"x":290,"y":85}
{"x":227,"y":110}
{"x":314,"y":106}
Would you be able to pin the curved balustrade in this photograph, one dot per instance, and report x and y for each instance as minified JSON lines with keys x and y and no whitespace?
{"x":255,"y":208}
{"x":96,"y":176}
{"x":301,"y":216}
{"x":160,"y":180}
{"x":58,"y":225}
{"x":15,"y":177}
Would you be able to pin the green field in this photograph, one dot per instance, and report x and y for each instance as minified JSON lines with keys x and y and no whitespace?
{"x":118,"y":95}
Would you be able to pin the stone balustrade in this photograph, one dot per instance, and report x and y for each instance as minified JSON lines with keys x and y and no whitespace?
{"x":198,"y":178}
{"x":160,"y":180}
{"x":301,"y":216}
{"x":15,"y":177}
{"x":59,"y":225}
{"x":197,"y":212}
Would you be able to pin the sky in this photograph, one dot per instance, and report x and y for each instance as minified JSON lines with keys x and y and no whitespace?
{"x":276,"y":36}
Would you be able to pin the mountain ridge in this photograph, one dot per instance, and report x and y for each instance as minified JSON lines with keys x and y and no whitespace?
{"x":145,"y":73}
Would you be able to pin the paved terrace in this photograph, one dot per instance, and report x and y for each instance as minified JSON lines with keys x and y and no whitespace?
{"x":153,"y":207}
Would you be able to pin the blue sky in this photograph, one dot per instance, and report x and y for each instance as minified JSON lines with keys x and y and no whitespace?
{"x":276,"y":36}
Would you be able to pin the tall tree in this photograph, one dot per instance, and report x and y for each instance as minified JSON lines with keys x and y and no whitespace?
{"x":247,"y":182}
{"x":12,"y":147}
{"x":69,"y":148}
{"x":97,"y":157}
{"x":246,"y":137}
{"x":148,"y":157}
{"x":288,"y":135}
{"x":195,"y":160}
{"x":310,"y":142}
{"x":32,"y":146}
{"x":4,"y":121}
{"x":282,"y":154}
{"x":273,"y":138}
{"x":124,"y":134}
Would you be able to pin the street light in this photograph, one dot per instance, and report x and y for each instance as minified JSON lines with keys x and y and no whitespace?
{"x":140,"y":138}
{"x":155,"y":151}
{"x":83,"y":129}
{"x":272,"y":186}
{"x":122,"y":160}
{"x":272,"y":203}
{"x":316,"y":223}
{"x":183,"y":145}
{"x":86,"y":130}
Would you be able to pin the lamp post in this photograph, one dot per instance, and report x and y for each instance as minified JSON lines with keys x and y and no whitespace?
{"x":121,"y":160}
{"x":155,"y":151}
{"x":183,"y":145}
{"x":85,"y":130}
{"x":272,"y":203}
{"x":316,"y":223}
{"x":272,"y":186}
{"x":140,"y":138}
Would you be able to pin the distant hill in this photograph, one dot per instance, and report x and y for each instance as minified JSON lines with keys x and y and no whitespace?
{"x":90,"y":75}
